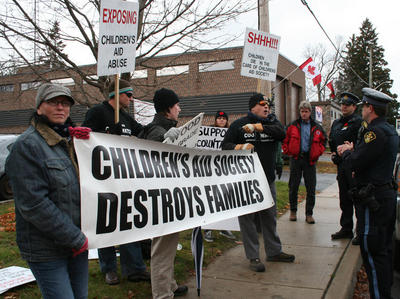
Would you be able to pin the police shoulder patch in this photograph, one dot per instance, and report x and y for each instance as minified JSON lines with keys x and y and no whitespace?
{"x":369,"y":136}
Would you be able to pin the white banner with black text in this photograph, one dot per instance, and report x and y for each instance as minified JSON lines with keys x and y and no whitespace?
{"x":134,"y":189}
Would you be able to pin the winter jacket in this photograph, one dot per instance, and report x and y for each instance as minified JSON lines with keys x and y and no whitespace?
{"x":265,"y":143}
{"x":344,"y":129}
{"x":292,"y":143}
{"x":100,"y":118}
{"x":157,"y":128}
{"x":44,"y":178}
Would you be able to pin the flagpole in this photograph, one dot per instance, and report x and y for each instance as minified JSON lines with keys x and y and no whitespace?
{"x":284,"y":78}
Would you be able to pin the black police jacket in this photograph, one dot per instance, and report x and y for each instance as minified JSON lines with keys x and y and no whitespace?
{"x":344,"y":129}
{"x":265,"y":143}
{"x":100,"y":118}
{"x":374,"y":156}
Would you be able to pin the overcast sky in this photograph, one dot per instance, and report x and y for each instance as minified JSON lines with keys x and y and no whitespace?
{"x":292,"y":21}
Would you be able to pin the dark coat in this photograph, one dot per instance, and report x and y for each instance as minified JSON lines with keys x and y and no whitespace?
{"x":265,"y":143}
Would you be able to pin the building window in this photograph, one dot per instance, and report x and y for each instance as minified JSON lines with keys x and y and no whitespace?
{"x":216,"y":66}
{"x":91,"y":77}
{"x":138,"y":74}
{"x":173,"y":70}
{"x":64,"y":81}
{"x":29,"y":85}
{"x":7,"y":88}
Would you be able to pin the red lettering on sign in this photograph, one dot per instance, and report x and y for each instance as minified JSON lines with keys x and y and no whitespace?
{"x":262,"y":40}
{"x":119,"y":16}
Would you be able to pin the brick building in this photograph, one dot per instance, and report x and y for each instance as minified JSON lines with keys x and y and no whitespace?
{"x":206,"y":81}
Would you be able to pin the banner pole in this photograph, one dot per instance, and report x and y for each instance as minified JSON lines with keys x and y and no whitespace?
{"x":116,"y":92}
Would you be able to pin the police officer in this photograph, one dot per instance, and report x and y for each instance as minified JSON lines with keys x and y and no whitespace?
{"x":372,"y":161}
{"x":345,"y":129}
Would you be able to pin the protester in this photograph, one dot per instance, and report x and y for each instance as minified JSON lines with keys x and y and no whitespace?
{"x":304,"y":143}
{"x":345,"y":129}
{"x":260,"y":130}
{"x":221,"y":121}
{"x":372,"y":162}
{"x":163,"y":249}
{"x":101,"y":118}
{"x":43,"y":175}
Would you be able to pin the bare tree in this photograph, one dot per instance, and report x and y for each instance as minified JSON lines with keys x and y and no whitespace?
{"x":328,"y":64}
{"x":164,"y":26}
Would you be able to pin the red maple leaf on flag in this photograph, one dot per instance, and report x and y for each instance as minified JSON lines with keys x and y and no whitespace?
{"x":311,"y":69}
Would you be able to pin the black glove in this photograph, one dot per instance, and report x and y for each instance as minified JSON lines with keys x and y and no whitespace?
{"x":115,"y":129}
{"x":278,"y":170}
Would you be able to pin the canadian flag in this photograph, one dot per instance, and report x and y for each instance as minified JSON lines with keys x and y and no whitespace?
{"x":330,"y":86}
{"x":311,"y":71}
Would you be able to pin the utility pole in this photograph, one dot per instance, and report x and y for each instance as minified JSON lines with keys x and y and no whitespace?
{"x":370,"y":68}
{"x":263,"y":86}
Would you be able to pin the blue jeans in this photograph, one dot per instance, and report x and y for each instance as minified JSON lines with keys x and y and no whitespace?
{"x":64,"y":278}
{"x":130,"y":256}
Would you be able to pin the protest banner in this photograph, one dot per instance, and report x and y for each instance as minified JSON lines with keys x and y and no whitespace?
{"x":210,"y":137}
{"x":189,"y":132}
{"x":117,"y":37}
{"x":260,"y":55}
{"x":134,"y":189}
{"x":14,"y":276}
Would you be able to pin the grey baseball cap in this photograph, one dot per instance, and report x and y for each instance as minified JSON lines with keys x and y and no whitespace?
{"x":48,"y":91}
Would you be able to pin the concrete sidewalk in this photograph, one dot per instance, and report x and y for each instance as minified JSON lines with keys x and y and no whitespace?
{"x":323,"y":268}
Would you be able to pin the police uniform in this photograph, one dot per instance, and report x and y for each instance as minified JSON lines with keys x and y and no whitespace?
{"x":344,"y":129}
{"x":373,"y":161}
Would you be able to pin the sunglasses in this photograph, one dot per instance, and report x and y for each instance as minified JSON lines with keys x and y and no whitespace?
{"x":129,"y":94}
{"x":262,"y":103}
{"x":54,"y":103}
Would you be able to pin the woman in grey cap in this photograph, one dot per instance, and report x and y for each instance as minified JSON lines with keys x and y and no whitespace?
{"x":44,"y":178}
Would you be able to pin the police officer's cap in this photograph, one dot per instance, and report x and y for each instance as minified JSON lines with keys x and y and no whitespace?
{"x":375,"y":98}
{"x":347,"y":98}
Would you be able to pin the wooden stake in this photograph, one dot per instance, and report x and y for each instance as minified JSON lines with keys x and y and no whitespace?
{"x":116,"y":92}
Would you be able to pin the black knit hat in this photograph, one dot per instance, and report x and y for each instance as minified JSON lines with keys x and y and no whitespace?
{"x":221,"y":114}
{"x":164,"y":99}
{"x":255,"y":99}
{"x":124,"y":86}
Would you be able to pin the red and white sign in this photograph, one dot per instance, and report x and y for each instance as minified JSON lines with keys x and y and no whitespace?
{"x":117,"y":37}
{"x":318,"y":114}
{"x":14,"y":276}
{"x":260,"y":55}
{"x":311,"y":70}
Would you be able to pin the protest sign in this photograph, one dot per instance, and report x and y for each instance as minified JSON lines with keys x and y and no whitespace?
{"x":134,"y":189}
{"x":189,"y":132}
{"x":211,"y":137}
{"x":260,"y":55}
{"x":144,"y":111}
{"x":117,"y":37}
{"x":318,"y":114}
{"x":14,"y":276}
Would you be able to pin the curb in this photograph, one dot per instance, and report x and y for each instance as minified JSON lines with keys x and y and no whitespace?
{"x":345,"y":276}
